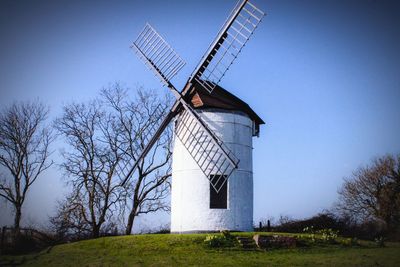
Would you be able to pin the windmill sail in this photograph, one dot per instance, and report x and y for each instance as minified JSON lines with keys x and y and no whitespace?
{"x":230,"y":40}
{"x":157,"y":54}
{"x":209,"y":153}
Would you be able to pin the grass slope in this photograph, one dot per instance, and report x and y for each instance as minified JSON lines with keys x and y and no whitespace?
{"x":183,"y":250}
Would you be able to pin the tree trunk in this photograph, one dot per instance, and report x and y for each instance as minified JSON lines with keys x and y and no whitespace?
{"x":131,"y":219}
{"x":17,"y":218}
{"x":95,"y":231}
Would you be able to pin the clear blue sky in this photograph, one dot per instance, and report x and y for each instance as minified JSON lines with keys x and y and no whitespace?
{"x":324,"y":75}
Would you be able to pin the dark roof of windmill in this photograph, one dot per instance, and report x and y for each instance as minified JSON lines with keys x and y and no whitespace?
{"x":221,"y":98}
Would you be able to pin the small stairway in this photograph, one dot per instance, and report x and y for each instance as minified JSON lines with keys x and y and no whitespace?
{"x":246,"y":242}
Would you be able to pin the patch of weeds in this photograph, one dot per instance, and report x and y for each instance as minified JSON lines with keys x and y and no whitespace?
{"x":225,"y":239}
{"x":321,"y":236}
{"x":380,"y":241}
{"x":328,"y":235}
{"x":346,"y":242}
{"x":349,"y":242}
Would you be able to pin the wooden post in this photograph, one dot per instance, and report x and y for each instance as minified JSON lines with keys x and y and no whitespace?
{"x":260,"y":227}
{"x":3,"y":231}
{"x":268,"y":226}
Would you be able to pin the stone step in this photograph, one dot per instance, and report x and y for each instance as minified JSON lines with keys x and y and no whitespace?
{"x":246,"y":242}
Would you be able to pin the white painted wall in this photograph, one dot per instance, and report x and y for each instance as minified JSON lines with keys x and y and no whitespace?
{"x":190,"y":196}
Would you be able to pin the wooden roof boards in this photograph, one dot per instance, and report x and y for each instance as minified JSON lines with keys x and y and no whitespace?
{"x":221,"y":98}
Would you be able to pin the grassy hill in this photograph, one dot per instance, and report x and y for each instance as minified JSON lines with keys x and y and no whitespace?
{"x":183,"y":250}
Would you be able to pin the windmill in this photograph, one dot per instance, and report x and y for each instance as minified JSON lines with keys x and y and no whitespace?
{"x":199,"y":143}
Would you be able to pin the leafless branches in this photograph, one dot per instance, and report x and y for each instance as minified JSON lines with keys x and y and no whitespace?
{"x":24,"y":151}
{"x":373,"y":192}
{"x":148,"y":188}
{"x":104,"y":138}
{"x":90,"y":161}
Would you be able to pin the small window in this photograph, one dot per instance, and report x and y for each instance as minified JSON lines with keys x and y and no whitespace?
{"x":218,"y":200}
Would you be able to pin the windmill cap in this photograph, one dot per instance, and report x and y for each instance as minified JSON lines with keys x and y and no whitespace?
{"x":221,"y":98}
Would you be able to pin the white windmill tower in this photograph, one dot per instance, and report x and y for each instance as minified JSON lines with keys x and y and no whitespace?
{"x":213,"y":130}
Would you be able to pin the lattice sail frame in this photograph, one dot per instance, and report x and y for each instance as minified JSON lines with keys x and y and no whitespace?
{"x":233,"y":36}
{"x":207,"y":153}
{"x":157,"y":54}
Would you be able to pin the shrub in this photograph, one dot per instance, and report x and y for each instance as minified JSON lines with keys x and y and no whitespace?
{"x":348,"y":242}
{"x":320,"y":221}
{"x":328,"y":235}
{"x":325,"y":235}
{"x":225,"y":239}
{"x":380,"y":241}
{"x":310,"y":233}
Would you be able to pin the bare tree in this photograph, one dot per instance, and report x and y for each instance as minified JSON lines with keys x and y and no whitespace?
{"x":90,"y":161}
{"x":24,"y":151}
{"x":104,"y":137}
{"x":69,"y":223}
{"x":373,"y":192}
{"x":148,"y":188}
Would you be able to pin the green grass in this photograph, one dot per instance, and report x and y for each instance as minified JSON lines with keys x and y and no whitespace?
{"x":184,"y":250}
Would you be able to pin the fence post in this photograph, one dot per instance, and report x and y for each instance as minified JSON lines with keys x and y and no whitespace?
{"x":3,"y":231}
